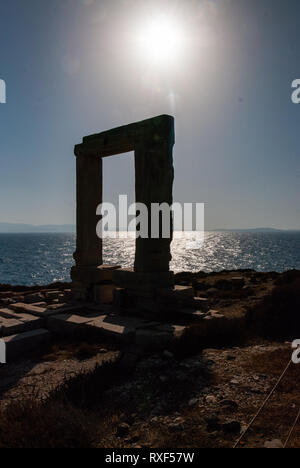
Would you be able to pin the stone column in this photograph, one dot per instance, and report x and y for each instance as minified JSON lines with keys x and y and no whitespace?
{"x":154,"y":174}
{"x":89,"y":196}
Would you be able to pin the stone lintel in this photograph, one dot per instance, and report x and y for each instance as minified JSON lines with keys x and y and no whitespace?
{"x":100,"y":149}
{"x":124,"y":139}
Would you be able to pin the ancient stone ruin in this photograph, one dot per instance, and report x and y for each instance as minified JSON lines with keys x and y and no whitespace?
{"x":152,"y":141}
{"x":141,"y":307}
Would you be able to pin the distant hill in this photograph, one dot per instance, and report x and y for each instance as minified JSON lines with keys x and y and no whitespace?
{"x":7,"y":228}
{"x":251,"y":230}
{"x":30,"y":228}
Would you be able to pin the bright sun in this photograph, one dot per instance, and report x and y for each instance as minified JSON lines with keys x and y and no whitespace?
{"x":161,"y":40}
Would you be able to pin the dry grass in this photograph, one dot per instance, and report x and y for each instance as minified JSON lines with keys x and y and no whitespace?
{"x":64,"y":419}
{"x":31,"y":424}
{"x":277,"y":418}
{"x":85,"y":412}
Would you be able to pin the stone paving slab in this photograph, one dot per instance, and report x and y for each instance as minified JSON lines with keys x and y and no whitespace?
{"x":115,"y":331}
{"x":64,"y":308}
{"x":127,"y":322}
{"x":122,"y":329}
{"x":13,"y":322}
{"x":32,"y":322}
{"x":10,"y":326}
{"x":43,"y":305}
{"x":29,"y":309}
{"x":25,"y":332}
{"x":46,"y":311}
{"x":117,"y":327}
{"x":8,"y":313}
{"x":24,"y":342}
{"x":84,"y":318}
{"x":67,"y":323}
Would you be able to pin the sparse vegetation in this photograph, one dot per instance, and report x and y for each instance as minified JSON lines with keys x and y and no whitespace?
{"x":190,"y":396}
{"x":187,"y":402}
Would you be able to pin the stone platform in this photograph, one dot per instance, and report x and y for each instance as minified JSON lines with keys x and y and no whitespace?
{"x":26,"y":325}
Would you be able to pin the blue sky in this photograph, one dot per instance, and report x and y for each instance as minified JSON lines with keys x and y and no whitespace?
{"x":72,"y":68}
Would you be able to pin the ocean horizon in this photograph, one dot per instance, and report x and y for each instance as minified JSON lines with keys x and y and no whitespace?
{"x":43,"y":258}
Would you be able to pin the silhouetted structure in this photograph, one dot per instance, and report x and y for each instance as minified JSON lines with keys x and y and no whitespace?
{"x":152,"y":141}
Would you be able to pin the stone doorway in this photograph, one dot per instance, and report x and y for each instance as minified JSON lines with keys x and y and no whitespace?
{"x":152,"y":141}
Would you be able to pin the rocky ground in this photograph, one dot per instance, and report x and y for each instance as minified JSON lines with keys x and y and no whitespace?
{"x":205,"y":400}
{"x":98,"y":394}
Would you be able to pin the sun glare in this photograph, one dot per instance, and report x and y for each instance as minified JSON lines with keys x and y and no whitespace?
{"x":161,"y":40}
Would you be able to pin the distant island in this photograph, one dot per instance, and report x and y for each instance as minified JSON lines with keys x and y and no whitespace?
{"x":11,"y":228}
{"x":255,"y":230}
{"x":15,"y":228}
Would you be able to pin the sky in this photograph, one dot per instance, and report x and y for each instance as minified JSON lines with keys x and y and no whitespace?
{"x":77,"y":67}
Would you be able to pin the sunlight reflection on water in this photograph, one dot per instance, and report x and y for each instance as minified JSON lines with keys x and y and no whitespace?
{"x":44,"y":258}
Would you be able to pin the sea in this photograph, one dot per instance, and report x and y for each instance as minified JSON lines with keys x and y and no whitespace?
{"x":40,"y":259}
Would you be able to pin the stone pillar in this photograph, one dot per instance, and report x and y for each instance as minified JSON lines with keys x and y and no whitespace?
{"x":89,"y":196}
{"x":154,"y":174}
{"x":88,"y":254}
